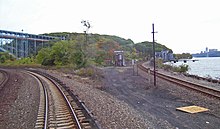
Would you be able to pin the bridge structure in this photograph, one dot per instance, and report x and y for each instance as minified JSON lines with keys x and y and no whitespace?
{"x":22,"y":45}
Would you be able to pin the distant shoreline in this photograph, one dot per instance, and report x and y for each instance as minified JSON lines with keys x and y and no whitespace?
{"x":207,"y":54}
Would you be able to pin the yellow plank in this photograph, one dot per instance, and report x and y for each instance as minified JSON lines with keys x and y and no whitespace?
{"x":192,"y":109}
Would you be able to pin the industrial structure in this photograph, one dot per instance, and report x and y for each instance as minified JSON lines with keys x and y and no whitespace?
{"x":166,"y":55}
{"x":22,"y":45}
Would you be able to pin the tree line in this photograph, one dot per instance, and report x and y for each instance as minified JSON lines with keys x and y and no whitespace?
{"x":77,"y":51}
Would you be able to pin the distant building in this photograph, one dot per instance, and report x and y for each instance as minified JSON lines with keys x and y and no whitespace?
{"x":208,"y":53}
{"x":213,"y":50}
{"x":206,"y":50}
{"x":165,"y":55}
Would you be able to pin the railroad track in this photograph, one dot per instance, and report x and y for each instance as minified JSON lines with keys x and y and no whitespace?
{"x":193,"y":86}
{"x":59,"y":107}
{"x":5,"y":77}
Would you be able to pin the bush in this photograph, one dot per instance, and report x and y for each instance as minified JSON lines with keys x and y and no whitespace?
{"x":167,"y":67}
{"x":181,"y":69}
{"x":86,"y":72}
{"x":48,"y":62}
{"x":4,"y":56}
{"x":2,"y":59}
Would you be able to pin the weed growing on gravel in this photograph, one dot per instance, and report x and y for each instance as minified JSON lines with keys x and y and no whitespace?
{"x":86,"y":72}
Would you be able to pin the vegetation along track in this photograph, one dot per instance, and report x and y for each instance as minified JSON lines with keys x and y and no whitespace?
{"x":59,"y":107}
{"x":5,"y":77}
{"x":193,"y":86}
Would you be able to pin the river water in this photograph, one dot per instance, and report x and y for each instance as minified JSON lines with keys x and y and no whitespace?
{"x":204,"y":67}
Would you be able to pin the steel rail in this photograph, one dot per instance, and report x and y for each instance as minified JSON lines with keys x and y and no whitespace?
{"x":46,"y":98}
{"x":82,"y":114}
{"x":37,"y":75}
{"x":197,"y":87}
{"x":5,"y":77}
{"x":70,"y":106}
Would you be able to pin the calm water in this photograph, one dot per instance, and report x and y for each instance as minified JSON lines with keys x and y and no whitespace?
{"x":207,"y":66}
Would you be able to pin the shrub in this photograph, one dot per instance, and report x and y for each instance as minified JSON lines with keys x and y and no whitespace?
{"x":4,"y":56}
{"x":167,"y":67}
{"x":48,"y":62}
{"x":86,"y":72}
{"x":182,"y":68}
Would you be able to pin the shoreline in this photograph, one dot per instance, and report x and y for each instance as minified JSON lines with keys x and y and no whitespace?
{"x":211,"y":83}
{"x":205,"y":68}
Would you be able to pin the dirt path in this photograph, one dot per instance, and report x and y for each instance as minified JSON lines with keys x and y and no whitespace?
{"x":160,"y":102}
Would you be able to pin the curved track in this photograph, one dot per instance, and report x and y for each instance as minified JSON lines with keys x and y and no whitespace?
{"x":57,"y":108}
{"x":5,"y":77}
{"x":193,"y":86}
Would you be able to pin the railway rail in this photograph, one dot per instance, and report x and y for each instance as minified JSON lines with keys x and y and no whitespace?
{"x":59,"y":107}
{"x":193,"y":86}
{"x":5,"y":77}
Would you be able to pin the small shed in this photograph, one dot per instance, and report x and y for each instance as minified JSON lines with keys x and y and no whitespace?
{"x":119,"y":58}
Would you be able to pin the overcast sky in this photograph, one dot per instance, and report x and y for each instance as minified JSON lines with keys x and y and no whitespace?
{"x":182,"y":25}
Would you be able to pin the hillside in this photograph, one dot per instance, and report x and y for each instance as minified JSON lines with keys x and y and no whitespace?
{"x":145,"y":48}
{"x":79,"y":49}
{"x":126,"y":44}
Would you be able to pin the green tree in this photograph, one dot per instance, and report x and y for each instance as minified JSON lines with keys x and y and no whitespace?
{"x":183,"y":56}
{"x":4,"y":56}
{"x":99,"y":59}
{"x":60,"y":53}
{"x":43,"y":56}
{"x":77,"y":55}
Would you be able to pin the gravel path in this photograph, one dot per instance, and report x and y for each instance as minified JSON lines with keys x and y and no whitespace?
{"x":19,"y":101}
{"x":161,"y":101}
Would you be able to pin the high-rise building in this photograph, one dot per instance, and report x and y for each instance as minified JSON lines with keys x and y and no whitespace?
{"x":206,"y":50}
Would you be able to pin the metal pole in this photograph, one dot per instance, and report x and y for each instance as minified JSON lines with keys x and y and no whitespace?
{"x":133,"y":70}
{"x":85,"y":39}
{"x":12,"y":42}
{"x":16,"y":46}
{"x":132,"y":62}
{"x":35,"y":47}
{"x":154,"y":56}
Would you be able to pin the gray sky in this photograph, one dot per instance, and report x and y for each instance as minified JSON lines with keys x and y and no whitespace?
{"x":182,"y":25}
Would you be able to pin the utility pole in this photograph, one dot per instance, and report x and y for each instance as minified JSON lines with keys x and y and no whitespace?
{"x":154,"y":55}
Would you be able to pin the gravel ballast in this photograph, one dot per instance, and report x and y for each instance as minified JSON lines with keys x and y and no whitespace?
{"x":120,"y":99}
{"x":19,"y":101}
{"x":127,"y":101}
{"x":109,"y":111}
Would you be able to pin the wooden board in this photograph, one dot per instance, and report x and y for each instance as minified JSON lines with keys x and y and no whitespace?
{"x":192,"y":109}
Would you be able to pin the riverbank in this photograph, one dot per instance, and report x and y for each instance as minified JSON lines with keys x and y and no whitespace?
{"x":211,"y":83}
{"x":207,"y":67}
